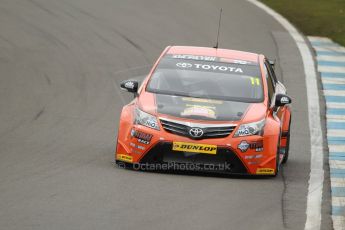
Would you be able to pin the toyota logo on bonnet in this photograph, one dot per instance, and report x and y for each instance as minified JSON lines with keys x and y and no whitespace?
{"x":196,"y":132}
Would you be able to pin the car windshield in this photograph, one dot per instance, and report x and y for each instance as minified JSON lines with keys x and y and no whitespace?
{"x":207,"y":77}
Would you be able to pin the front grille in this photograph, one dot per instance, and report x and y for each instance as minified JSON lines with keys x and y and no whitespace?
{"x":162,"y":153}
{"x":209,"y":131}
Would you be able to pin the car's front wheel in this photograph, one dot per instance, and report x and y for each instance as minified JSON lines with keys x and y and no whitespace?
{"x":277,"y":159}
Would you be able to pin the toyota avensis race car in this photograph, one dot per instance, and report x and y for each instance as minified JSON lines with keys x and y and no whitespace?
{"x":207,"y":109}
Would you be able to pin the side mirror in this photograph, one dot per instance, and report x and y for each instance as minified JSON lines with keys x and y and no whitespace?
{"x":282,"y":99}
{"x":272,"y":63}
{"x":130,"y":86}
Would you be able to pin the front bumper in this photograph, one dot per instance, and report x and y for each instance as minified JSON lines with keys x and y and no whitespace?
{"x":228,"y":157}
{"x":224,"y":160}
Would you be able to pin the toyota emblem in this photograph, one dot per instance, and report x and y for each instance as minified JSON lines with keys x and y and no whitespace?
{"x":196,"y":132}
{"x":184,"y":65}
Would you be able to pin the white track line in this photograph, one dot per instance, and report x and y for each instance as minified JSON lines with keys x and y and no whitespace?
{"x":338,"y":222}
{"x":338,"y":182}
{"x":337,"y":164}
{"x":337,"y":49}
{"x":335,"y":105}
{"x":314,"y":200}
{"x":331,"y":117}
{"x":331,"y":58}
{"x":329,"y":80}
{"x":320,"y":39}
{"x":331,"y":69}
{"x":336,"y":133}
{"x":340,"y":93}
{"x":335,"y":129}
{"x":337,"y":148}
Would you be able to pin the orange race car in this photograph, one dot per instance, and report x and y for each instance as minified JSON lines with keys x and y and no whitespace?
{"x":206,"y":109}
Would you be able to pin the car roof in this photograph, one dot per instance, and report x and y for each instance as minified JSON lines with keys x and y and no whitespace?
{"x":207,"y":51}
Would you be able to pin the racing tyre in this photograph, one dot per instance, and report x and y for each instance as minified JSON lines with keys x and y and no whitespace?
{"x":286,"y":154}
{"x":277,"y":159}
{"x":277,"y":163}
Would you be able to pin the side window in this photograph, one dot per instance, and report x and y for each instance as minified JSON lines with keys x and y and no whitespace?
{"x":270,"y":82}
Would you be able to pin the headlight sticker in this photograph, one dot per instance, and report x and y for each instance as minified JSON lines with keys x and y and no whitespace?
{"x":254,"y":128}
{"x":151,"y":123}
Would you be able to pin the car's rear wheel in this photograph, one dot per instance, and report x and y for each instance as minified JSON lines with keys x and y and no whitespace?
{"x":287,"y":147}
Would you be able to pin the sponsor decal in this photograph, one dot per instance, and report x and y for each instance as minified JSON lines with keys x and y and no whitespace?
{"x":194,"y":57}
{"x":218,"y":67}
{"x":222,"y":68}
{"x":129,"y":85}
{"x":151,"y":123}
{"x":197,"y":110}
{"x":241,"y":62}
{"x":259,"y":149}
{"x":284,"y":100}
{"x":235,"y":61}
{"x":184,"y":65}
{"x":258,"y":146}
{"x":202,"y":100}
{"x":142,"y":137}
{"x":136,"y":151}
{"x":137,"y":146}
{"x":126,"y":158}
{"x":140,"y":147}
{"x":208,"y":64}
{"x":265,"y":171}
{"x":243,"y":132}
{"x":249,"y":157}
{"x":143,"y":141}
{"x":209,"y":58}
{"x":243,"y":146}
{"x":194,"y":148}
{"x":258,"y":156}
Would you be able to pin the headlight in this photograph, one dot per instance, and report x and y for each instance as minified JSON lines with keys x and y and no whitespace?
{"x":255,"y":128}
{"x":145,"y":119}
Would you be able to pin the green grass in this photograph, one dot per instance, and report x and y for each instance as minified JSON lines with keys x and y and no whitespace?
{"x":314,"y":17}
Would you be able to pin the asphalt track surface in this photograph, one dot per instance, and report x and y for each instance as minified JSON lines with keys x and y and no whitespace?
{"x":60,"y":66}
